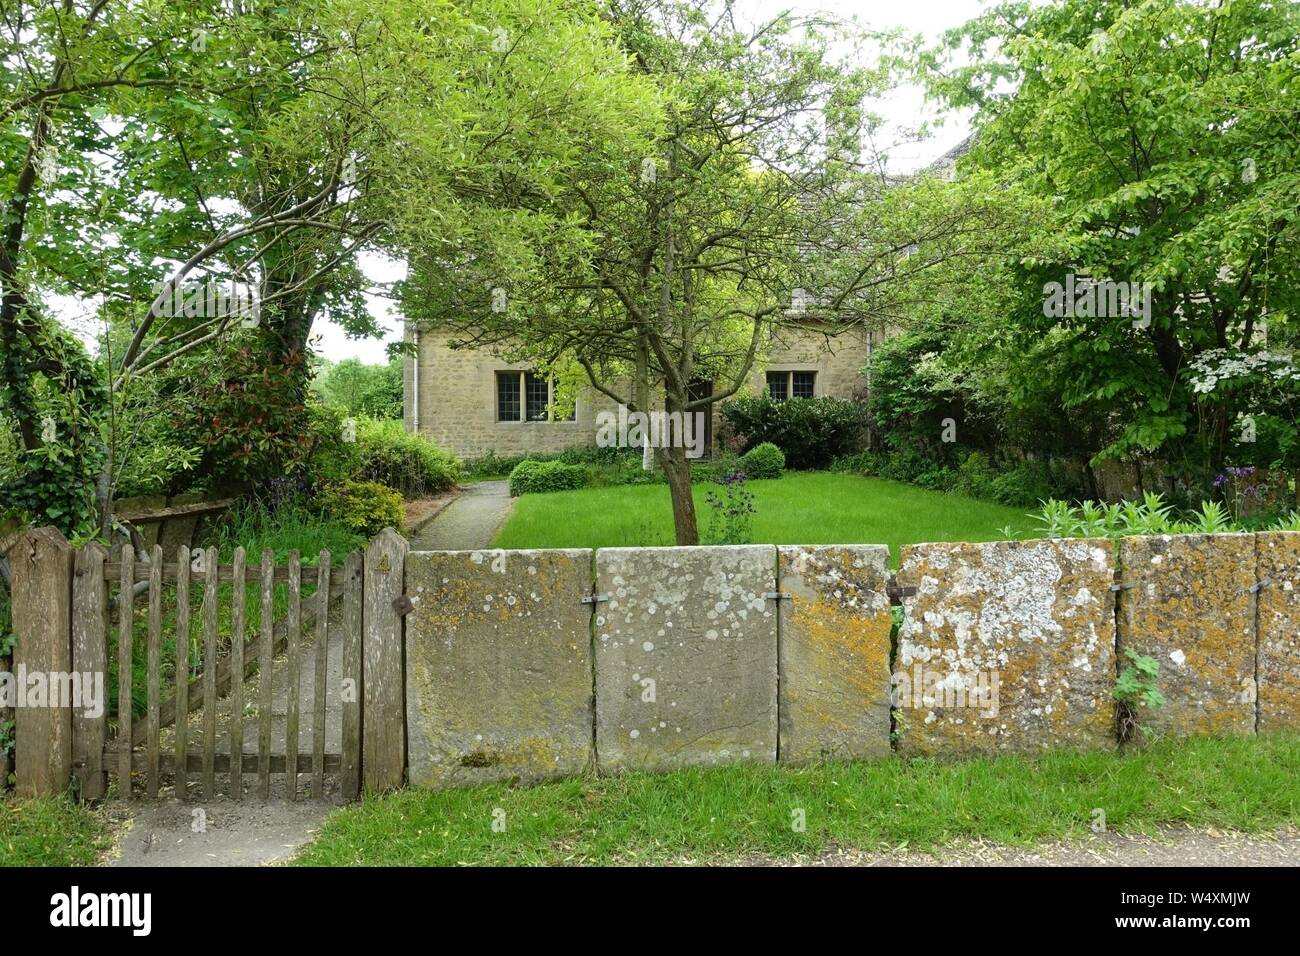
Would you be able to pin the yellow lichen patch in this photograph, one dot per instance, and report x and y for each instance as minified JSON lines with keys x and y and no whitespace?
{"x":1187,"y":603}
{"x":835,"y":626}
{"x":1006,"y":646}
{"x":1278,"y":569}
{"x":498,"y":666}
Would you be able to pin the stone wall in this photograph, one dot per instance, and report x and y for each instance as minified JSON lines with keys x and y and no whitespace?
{"x":534,"y":664}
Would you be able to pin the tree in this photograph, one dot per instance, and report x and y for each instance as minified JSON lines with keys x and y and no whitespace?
{"x":371,"y":390}
{"x":1154,"y":143}
{"x":679,"y":257}
{"x":261,"y":148}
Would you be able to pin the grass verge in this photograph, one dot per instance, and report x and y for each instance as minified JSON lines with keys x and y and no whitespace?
{"x":1245,"y":784}
{"x":52,"y":831}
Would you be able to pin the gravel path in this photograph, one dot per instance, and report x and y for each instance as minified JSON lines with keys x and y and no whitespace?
{"x":1171,"y":847}
{"x":470,"y":522}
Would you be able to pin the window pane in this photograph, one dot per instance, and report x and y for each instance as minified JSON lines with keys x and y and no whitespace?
{"x":803,"y":384}
{"x":539,"y":396}
{"x":776,"y":385}
{"x":507,"y":396}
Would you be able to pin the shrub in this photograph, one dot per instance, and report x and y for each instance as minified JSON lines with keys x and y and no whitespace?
{"x":763,"y":461}
{"x":365,"y":507}
{"x":811,"y":431}
{"x":535,"y":477}
{"x":404,"y":461}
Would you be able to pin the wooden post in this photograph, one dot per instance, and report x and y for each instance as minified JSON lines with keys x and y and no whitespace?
{"x":237,"y":607}
{"x":350,"y":691}
{"x":265,"y":663}
{"x":209,"y":673}
{"x":125,"y":639}
{"x":383,"y":728}
{"x":294,"y":661}
{"x":153,"y":662}
{"x":182,"y":670}
{"x":90,"y":659}
{"x":41,"y":565}
{"x":318,"y":682}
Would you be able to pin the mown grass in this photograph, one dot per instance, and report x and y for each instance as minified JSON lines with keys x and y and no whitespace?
{"x":1245,"y":784}
{"x":798,"y":508}
{"x":52,"y":831}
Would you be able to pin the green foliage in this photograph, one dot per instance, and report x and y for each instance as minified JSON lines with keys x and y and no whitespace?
{"x":372,"y":391}
{"x":1015,"y":482}
{"x":410,"y":463}
{"x":363,"y":507}
{"x":731,"y":511}
{"x":248,"y":413}
{"x":1136,"y":689}
{"x":764,"y":460}
{"x":536,"y":477}
{"x":292,"y":526}
{"x":1197,"y":193}
{"x":811,"y":431}
{"x":1150,"y":516}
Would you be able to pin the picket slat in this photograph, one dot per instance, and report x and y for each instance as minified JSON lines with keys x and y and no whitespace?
{"x":89,"y":656}
{"x":351,"y":684}
{"x":322,"y":669}
{"x":182,"y":667}
{"x":154,"y":653}
{"x":125,"y":622}
{"x":266,"y":666}
{"x":209,"y":672}
{"x":236,"y":734}
{"x":295,"y":673}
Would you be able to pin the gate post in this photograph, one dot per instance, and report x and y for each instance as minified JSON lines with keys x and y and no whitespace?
{"x":41,"y":566}
{"x":90,"y":660}
{"x":383,"y":711}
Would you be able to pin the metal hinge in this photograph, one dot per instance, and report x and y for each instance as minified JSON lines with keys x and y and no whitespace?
{"x":776,"y":595}
{"x":897,"y":592}
{"x":594,"y":598}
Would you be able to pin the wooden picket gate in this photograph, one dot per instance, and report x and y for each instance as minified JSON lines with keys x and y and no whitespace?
{"x":215,"y":628}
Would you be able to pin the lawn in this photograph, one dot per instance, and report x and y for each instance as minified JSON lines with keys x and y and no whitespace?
{"x":799,"y":508}
{"x":52,"y":831}
{"x":1245,"y":784}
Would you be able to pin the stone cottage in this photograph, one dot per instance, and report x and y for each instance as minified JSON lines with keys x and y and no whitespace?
{"x":472,"y":401}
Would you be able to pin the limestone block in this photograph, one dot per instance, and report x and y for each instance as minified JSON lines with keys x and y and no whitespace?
{"x":834,"y":652}
{"x":1187,"y":603}
{"x":1278,"y":564}
{"x":498,"y":665}
{"x":1006,"y":646}
{"x":686,"y":657}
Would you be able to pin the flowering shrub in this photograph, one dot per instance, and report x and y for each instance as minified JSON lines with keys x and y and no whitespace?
{"x":731,"y":510}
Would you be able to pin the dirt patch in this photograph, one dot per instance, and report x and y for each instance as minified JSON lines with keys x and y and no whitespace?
{"x":417,"y":512}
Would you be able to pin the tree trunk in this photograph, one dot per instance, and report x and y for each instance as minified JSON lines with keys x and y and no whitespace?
{"x":677,"y":469}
